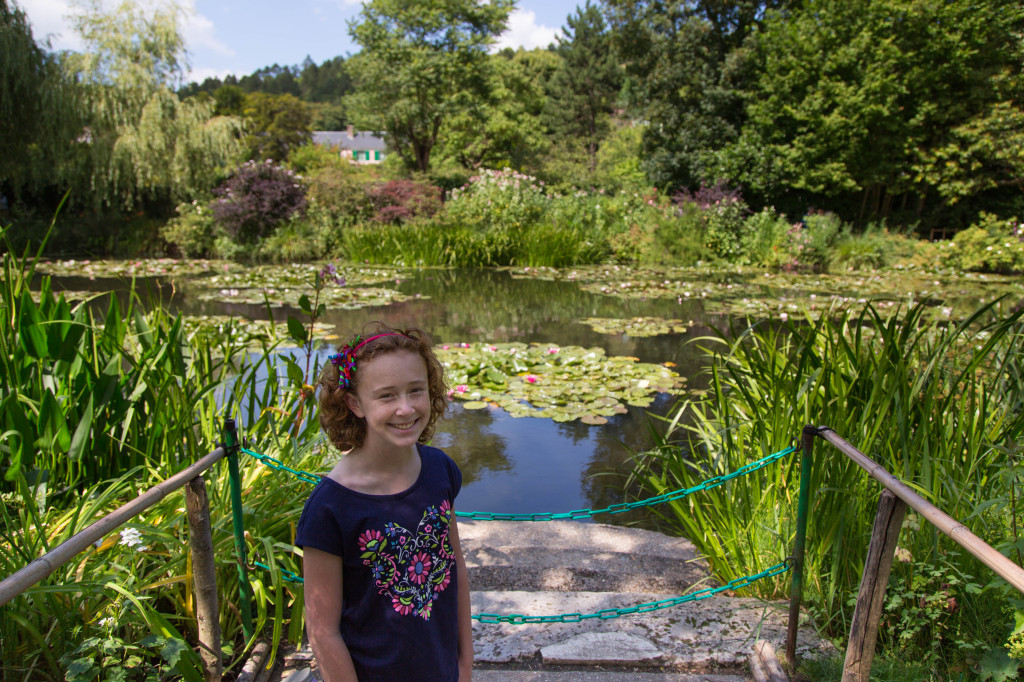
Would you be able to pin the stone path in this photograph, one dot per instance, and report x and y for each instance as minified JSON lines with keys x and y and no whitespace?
{"x":555,"y":567}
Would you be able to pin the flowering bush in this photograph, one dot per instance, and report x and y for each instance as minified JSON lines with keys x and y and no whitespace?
{"x":256,"y":198}
{"x":991,"y":245}
{"x":398,"y":201}
{"x":811,"y":242}
{"x":497,"y":199}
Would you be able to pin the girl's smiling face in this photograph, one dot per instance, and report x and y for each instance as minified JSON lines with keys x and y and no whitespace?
{"x":393,"y":397}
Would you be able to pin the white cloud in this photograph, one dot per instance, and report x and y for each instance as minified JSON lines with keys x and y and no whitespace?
{"x":49,"y":20}
{"x":524,"y":31}
{"x":199,"y":33}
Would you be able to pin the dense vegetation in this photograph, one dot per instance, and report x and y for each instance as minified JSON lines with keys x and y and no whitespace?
{"x":905,"y":114}
{"x":814,"y":136}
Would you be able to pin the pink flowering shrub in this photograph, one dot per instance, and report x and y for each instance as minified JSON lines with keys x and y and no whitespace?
{"x":399,"y":201}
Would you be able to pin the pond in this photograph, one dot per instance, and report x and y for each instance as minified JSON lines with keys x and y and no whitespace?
{"x":525,"y":465}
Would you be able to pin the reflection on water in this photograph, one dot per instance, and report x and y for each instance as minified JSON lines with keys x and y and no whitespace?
{"x":514,"y":465}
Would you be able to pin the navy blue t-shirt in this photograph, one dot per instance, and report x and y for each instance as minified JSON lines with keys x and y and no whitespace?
{"x":399,"y":614}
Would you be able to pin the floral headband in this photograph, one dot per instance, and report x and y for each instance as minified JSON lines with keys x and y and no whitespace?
{"x":345,"y":359}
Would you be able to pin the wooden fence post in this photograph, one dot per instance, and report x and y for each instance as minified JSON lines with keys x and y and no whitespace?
{"x":864,"y":628}
{"x":204,"y":577}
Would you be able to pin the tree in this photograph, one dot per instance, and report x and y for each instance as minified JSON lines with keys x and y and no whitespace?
{"x":139,"y":142}
{"x":503,"y":129}
{"x":583,"y":90}
{"x":422,"y":62}
{"x":681,"y":60}
{"x":278,"y":124}
{"x":888,"y":104}
{"x":36,"y":119}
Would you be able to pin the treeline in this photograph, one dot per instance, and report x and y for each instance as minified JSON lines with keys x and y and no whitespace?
{"x":908,"y":113}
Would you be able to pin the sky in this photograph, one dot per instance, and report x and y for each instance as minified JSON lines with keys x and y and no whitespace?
{"x":240,"y":36}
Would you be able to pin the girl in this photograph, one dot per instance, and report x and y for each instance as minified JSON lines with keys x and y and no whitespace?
{"x":387,"y":594}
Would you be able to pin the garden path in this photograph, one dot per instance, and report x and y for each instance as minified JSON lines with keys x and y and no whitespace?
{"x":566,"y":567}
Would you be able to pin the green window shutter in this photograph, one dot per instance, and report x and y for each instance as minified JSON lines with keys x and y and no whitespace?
{"x":376,"y":156}
{"x":355,"y":155}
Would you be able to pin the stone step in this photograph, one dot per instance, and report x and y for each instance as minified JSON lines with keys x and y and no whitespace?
{"x":710,"y":635}
{"x":574,"y":556}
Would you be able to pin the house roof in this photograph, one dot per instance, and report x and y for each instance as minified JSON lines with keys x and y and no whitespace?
{"x":342,"y":140}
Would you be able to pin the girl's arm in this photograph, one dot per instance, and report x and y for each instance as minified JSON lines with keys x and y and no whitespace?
{"x":322,"y":575}
{"x":465,"y":622}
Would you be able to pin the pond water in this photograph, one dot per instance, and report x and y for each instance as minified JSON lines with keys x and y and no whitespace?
{"x":525,"y":465}
{"x":509,"y":465}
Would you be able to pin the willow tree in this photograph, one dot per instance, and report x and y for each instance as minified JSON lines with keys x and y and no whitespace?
{"x":34,"y":114}
{"x":139,"y":142}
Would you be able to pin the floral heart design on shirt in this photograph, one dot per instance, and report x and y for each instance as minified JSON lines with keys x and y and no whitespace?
{"x":412,"y":569}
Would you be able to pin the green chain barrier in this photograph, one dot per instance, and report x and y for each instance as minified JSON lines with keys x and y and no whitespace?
{"x":606,"y":614}
{"x":627,"y":506}
{"x":576,"y":513}
{"x":603,"y":614}
{"x":278,"y":465}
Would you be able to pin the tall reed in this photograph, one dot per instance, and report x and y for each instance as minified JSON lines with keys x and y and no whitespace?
{"x":933,"y":404}
{"x":98,"y":409}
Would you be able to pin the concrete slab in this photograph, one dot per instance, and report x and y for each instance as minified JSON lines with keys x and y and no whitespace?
{"x":714,"y":634}
{"x":602,"y":648}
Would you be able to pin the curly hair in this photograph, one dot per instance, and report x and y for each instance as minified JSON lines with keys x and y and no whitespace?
{"x":347,"y":431}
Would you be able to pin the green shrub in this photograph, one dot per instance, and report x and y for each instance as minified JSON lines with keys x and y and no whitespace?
{"x":680,"y":239}
{"x":814,"y":239}
{"x":874,"y":248}
{"x":991,"y":245}
{"x":765,"y":239}
{"x":340,"y":192}
{"x":193,"y":231}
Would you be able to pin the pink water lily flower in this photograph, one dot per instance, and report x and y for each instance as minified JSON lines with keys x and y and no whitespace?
{"x":461,"y":388}
{"x":531,"y":379}
{"x":552,"y":351}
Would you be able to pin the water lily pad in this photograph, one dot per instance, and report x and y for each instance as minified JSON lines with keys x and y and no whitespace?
{"x":474,"y":404}
{"x":594,"y":420}
{"x":564,"y":384}
{"x":637,"y":326}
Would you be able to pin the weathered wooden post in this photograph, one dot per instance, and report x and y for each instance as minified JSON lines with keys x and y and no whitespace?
{"x":204,"y":577}
{"x":866,"y":614}
{"x":802,"y":512}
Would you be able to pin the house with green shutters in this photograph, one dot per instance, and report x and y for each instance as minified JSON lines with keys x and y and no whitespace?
{"x":356,"y":147}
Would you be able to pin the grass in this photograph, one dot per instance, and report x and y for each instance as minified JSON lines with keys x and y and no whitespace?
{"x":936,"y":405}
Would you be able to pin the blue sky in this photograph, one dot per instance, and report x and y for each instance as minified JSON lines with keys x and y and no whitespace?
{"x":240,"y":36}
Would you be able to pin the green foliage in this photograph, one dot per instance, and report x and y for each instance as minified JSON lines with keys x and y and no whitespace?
{"x":868,"y":103}
{"x":193,"y":231}
{"x":766,"y":240}
{"x":874,"y":248}
{"x":35,"y":114}
{"x":277,"y":125}
{"x":926,"y":401}
{"x":420,"y":64}
{"x":584,"y":88}
{"x":502,"y":126}
{"x":497,"y":200}
{"x":815,"y":238}
{"x":991,"y":245}
{"x":682,"y":239}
